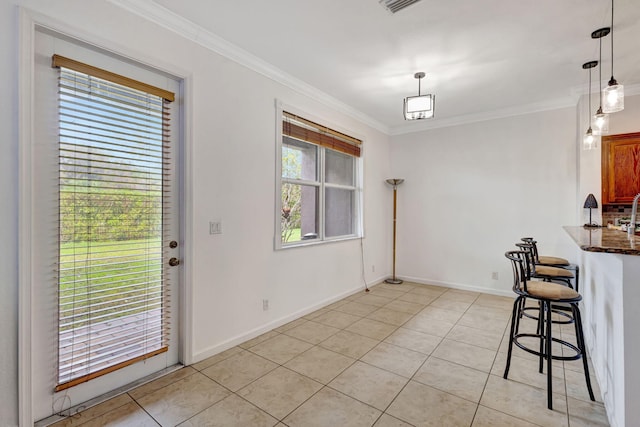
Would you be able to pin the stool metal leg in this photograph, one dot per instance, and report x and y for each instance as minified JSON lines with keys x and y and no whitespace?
{"x":515,"y":317}
{"x":540,"y":332}
{"x":548,"y":355}
{"x":582,"y":347}
{"x":520,"y":311}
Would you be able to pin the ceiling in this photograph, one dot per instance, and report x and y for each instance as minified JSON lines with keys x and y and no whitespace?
{"x":482,"y":58}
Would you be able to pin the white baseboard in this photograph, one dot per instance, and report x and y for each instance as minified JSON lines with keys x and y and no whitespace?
{"x":461,"y":286}
{"x":239,"y":339}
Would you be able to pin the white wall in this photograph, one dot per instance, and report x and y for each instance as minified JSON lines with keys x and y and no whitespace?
{"x":610,"y":320}
{"x":604,"y":327}
{"x":631,"y":300}
{"x":232,"y":172}
{"x":472,"y":191}
{"x":9,"y":216}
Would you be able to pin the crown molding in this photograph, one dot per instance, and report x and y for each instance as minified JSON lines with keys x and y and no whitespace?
{"x":582,"y":90}
{"x":567,"y":102}
{"x":151,"y":11}
{"x":436,"y":123}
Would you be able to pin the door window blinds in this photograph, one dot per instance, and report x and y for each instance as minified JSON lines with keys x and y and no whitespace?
{"x":113,"y":183}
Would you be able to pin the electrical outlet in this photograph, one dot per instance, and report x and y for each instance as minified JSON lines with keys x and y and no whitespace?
{"x":215,"y":227}
{"x":265,"y":304}
{"x":494,"y":275}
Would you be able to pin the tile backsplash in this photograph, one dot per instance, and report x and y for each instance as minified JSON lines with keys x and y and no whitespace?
{"x":612,"y":212}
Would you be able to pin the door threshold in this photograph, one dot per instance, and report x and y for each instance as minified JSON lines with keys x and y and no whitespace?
{"x":70,"y":412}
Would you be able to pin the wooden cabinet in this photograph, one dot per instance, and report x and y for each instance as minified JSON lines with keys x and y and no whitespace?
{"x":620,"y":168}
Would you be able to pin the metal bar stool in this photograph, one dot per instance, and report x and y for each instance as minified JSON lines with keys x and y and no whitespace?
{"x":546,"y":293}
{"x":548,"y":274}
{"x":545,"y":272}
{"x":553,"y":261}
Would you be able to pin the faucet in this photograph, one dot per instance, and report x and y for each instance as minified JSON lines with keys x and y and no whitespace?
{"x":634,"y":212}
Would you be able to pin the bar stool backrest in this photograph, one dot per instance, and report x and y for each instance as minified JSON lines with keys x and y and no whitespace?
{"x":520,"y":274}
{"x":530,"y":265}
{"x":532,"y":241}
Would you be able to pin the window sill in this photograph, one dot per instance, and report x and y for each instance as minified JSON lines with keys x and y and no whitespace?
{"x":316,"y":242}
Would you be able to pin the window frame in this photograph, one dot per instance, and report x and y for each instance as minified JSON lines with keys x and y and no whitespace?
{"x":320,"y":183}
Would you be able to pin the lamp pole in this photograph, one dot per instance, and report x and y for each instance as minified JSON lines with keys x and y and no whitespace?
{"x":394,"y":182}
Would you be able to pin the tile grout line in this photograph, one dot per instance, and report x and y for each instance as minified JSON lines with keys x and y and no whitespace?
{"x":285,"y":367}
{"x":382,"y":412}
{"x":325,"y":383}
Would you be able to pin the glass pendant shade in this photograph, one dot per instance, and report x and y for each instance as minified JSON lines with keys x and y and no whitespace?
{"x":613,"y":94}
{"x":600,"y":123}
{"x":613,"y":97}
{"x":590,"y":141}
{"x":419,"y":107}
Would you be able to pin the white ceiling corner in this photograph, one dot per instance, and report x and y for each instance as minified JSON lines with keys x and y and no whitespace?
{"x":484,"y":60}
{"x":162,"y":16}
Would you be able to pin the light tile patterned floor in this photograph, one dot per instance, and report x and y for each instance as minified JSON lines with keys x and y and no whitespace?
{"x":400,"y":355}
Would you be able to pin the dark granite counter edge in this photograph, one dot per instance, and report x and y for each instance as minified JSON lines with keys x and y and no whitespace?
{"x":610,"y":250}
{"x":618,"y":242}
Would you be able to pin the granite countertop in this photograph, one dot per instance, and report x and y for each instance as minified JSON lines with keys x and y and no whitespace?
{"x":602,"y":239}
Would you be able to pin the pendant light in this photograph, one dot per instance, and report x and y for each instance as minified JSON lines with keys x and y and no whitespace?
{"x":614,"y":92}
{"x":421,"y":106}
{"x":600,"y":122}
{"x":590,"y":141}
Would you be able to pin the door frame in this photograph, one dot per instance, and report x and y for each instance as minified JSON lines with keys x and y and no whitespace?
{"x":28,"y":24}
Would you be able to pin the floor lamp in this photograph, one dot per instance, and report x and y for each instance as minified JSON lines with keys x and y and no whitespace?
{"x":395,"y":182}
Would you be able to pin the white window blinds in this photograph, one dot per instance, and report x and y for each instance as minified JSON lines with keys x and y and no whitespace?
{"x":302,"y":129}
{"x":113,"y":182}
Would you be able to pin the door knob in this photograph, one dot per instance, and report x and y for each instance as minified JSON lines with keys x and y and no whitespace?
{"x":174,"y":261}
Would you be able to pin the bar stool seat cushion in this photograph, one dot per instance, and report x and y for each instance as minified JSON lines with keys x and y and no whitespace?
{"x":550,"y":291}
{"x":545,"y":270}
{"x":552,"y":260}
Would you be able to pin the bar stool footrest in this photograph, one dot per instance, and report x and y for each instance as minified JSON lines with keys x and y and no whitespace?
{"x":576,"y":356}
{"x":560,"y":311}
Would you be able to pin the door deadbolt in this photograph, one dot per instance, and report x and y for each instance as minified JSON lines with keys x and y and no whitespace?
{"x":174,"y":261}
{"x":173,"y":244}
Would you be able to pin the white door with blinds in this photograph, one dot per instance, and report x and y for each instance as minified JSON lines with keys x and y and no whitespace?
{"x":106,"y":217}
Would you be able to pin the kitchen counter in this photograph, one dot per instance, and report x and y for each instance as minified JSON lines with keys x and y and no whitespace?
{"x":610,"y":279}
{"x":602,"y":239}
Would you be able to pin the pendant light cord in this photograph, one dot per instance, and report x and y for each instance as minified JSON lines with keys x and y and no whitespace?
{"x":611,"y":40}
{"x":599,"y":78}
{"x":589,"y":115}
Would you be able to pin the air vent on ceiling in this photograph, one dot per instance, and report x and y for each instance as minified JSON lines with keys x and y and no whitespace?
{"x":394,"y":6}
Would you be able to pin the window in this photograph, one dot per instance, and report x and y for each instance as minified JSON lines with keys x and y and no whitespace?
{"x":319,"y":181}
